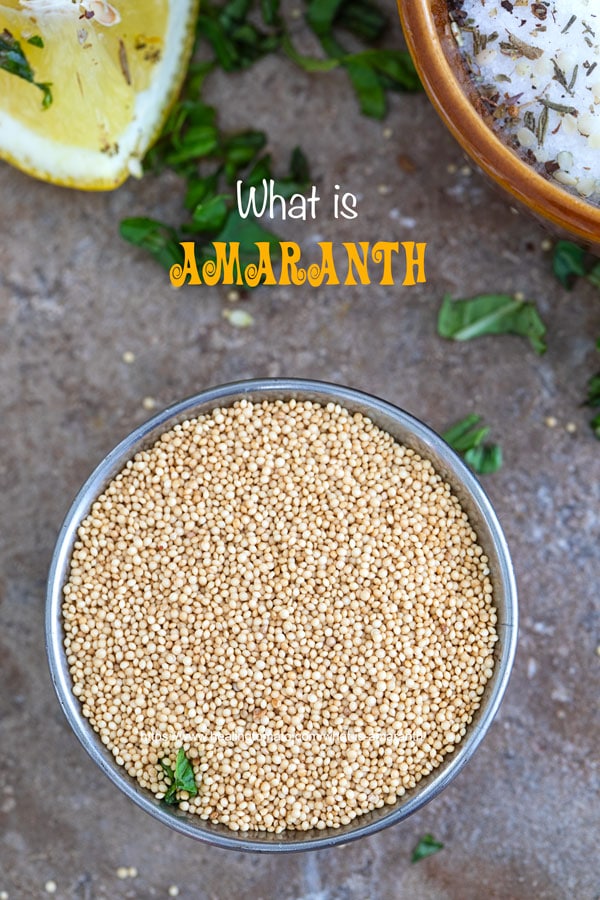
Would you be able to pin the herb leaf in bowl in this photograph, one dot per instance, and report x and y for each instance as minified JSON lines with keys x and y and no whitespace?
{"x":182,"y":779}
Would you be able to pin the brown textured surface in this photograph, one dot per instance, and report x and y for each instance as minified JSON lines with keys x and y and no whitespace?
{"x":523,"y":818}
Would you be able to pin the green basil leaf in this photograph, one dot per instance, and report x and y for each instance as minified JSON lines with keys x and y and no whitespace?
{"x":36,"y":40}
{"x":224,"y":49}
{"x":468,"y":439}
{"x":270,"y":11}
{"x":210,"y":216}
{"x":461,"y":320}
{"x":197,"y":142}
{"x":595,"y":426}
{"x":368,"y":87}
{"x":248,"y":232}
{"x":465,"y":435}
{"x":293,"y":183}
{"x":427,"y":846}
{"x":593,"y":397}
{"x":235,"y":11}
{"x":200,"y":190}
{"x":171,"y":796}
{"x":299,"y":167}
{"x":484,"y":459}
{"x":568,"y":262}
{"x":593,"y":275}
{"x":184,"y":774}
{"x":321,"y":15}
{"x":308,"y":63}
{"x":167,"y":769}
{"x":362,"y":19}
{"x":182,"y":779}
{"x":157,"y":238}
{"x":396,"y":65}
{"x":240,"y":150}
{"x":457,"y":432}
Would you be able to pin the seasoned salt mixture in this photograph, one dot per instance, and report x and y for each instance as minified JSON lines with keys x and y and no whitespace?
{"x":536,"y":65}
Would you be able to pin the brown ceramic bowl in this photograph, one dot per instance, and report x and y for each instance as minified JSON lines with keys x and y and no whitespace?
{"x":426,"y":26}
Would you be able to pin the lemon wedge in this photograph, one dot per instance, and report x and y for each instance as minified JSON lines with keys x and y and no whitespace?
{"x":85,"y":85}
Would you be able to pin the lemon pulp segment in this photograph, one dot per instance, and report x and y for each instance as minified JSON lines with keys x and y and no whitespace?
{"x":113,"y":69}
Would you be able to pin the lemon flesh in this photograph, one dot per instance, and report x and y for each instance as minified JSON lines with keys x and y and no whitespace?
{"x":114,"y":70}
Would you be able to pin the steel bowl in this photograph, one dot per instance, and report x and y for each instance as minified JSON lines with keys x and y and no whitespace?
{"x":442,"y":70}
{"x":407,"y":430}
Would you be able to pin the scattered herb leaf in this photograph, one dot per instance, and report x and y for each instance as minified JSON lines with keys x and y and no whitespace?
{"x":461,"y":320}
{"x":182,"y":779}
{"x":593,"y":398}
{"x":593,"y":275}
{"x":568,"y":262}
{"x":427,"y":846}
{"x":372,"y":72}
{"x":158,"y":239}
{"x":14,"y":61}
{"x":240,"y":32}
{"x":468,"y":439}
{"x":237,"y":42}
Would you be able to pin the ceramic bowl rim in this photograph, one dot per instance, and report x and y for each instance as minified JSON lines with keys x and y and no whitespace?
{"x":428,"y":36}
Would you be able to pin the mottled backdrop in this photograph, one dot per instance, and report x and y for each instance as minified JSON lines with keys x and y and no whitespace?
{"x":92,"y":334}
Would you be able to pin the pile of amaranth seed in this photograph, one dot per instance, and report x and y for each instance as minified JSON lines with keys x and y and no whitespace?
{"x":294,"y":600}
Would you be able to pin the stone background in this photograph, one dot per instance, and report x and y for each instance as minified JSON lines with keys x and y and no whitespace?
{"x":522,"y":820}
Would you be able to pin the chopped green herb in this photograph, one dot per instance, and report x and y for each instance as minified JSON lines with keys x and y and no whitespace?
{"x":468,"y":439}
{"x":158,"y":239}
{"x":214,"y":215}
{"x":593,"y":276}
{"x":570,"y":261}
{"x":36,"y":40}
{"x":238,"y":41}
{"x":182,"y":779}
{"x":593,"y":398}
{"x":461,"y":320}
{"x":240,"y":32}
{"x":14,"y":61}
{"x":427,"y":846}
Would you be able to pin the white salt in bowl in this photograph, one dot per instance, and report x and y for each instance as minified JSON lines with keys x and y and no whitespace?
{"x":408,"y":431}
{"x":450,"y":87}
